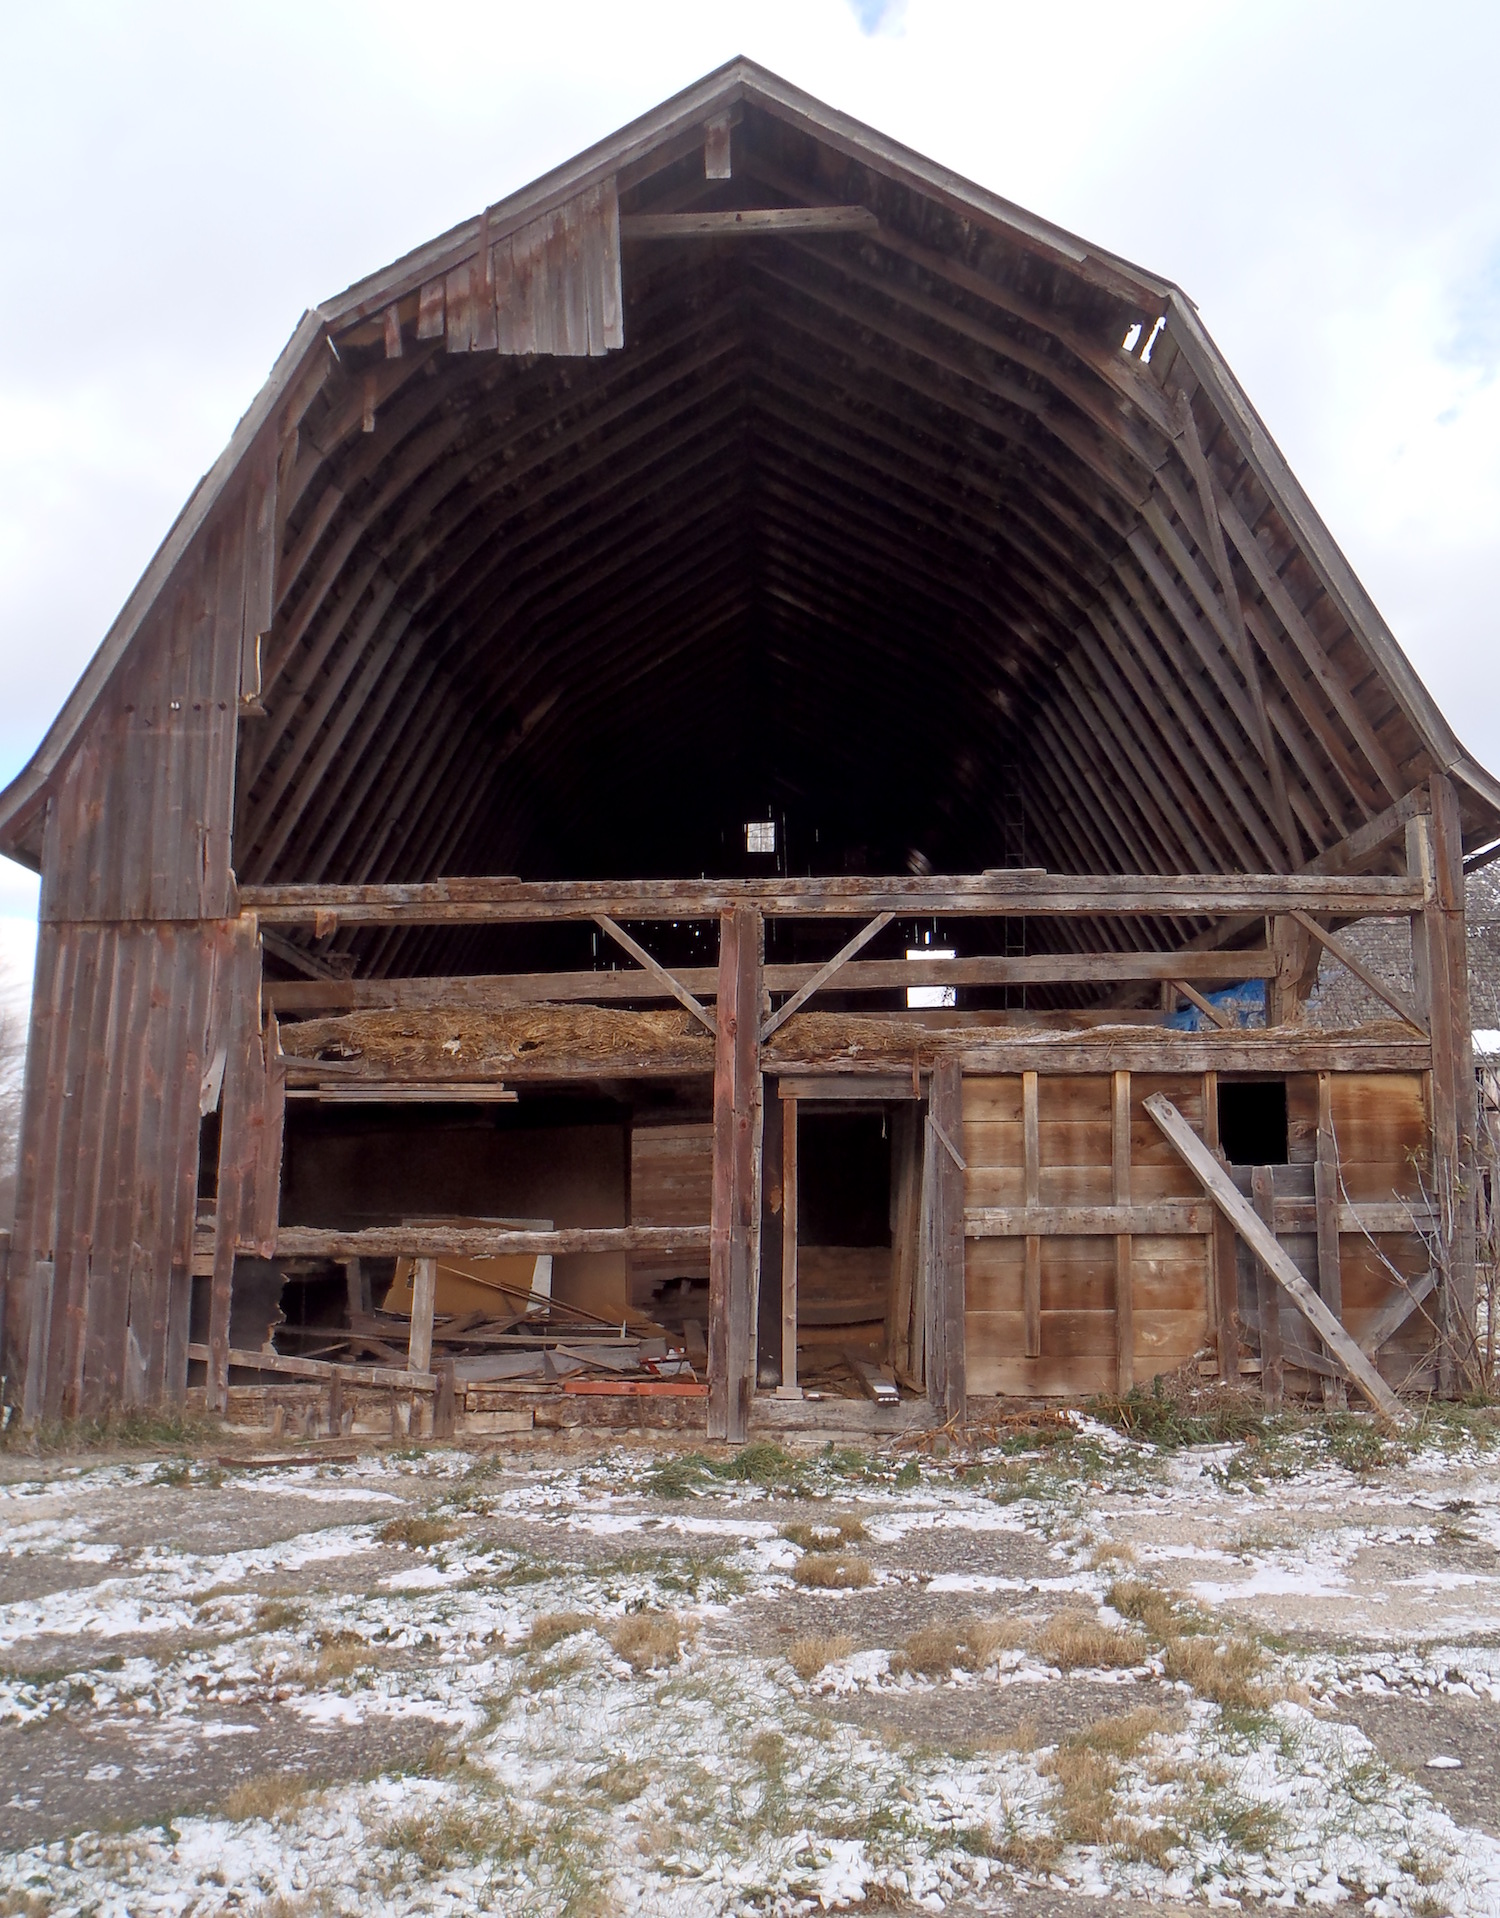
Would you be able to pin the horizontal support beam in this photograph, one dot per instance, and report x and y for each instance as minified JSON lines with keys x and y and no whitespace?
{"x":1166,"y":1218}
{"x":746,"y":221}
{"x":1116,"y":1048}
{"x":1005,"y":893}
{"x":496,"y":991}
{"x":406,"y":1092}
{"x":482,"y":1242}
{"x":252,"y":1361}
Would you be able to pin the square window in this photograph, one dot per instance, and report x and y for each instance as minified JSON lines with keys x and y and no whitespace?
{"x":760,"y":835}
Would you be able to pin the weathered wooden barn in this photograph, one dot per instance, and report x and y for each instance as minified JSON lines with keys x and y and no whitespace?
{"x":753,"y":752}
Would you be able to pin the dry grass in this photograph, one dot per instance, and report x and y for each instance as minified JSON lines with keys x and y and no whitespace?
{"x":649,"y":1641}
{"x":276,"y":1615}
{"x":1111,"y":1554}
{"x":552,"y":1627}
{"x":265,"y":1797}
{"x":1086,"y":1783}
{"x":1163,"y":1614}
{"x":832,"y":1571}
{"x":1072,"y":1642}
{"x":843,"y":1530}
{"x":416,"y":1532}
{"x":1034,"y":1851}
{"x":435,"y":1838}
{"x":340,"y":1655}
{"x":1225,"y":1673}
{"x":968,"y":1645}
{"x":1122,"y":1737}
{"x":808,"y":1656}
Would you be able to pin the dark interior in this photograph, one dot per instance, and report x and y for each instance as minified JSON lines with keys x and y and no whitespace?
{"x":1253,"y":1121}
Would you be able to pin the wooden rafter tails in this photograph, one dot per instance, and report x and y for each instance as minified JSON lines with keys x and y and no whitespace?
{"x":658,"y":972}
{"x":1262,"y":1242}
{"x":1225,"y":1021}
{"x":1397,"y":1001}
{"x":824,"y":974}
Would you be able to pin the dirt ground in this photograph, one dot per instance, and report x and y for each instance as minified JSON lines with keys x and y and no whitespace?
{"x":1061,"y":1671}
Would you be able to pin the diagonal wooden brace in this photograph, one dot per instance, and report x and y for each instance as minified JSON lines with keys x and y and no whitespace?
{"x":657,"y":971}
{"x":1262,"y":1242}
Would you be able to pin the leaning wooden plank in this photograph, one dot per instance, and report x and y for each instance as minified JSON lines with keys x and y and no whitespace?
{"x":824,"y":973}
{"x":423,"y":1298}
{"x":1225,"y":1021}
{"x":255,"y":1361}
{"x":1217,"y":1184}
{"x":1381,"y":989}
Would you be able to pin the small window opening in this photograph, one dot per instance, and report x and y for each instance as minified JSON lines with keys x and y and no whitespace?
{"x":1132,"y":337}
{"x":1252,"y":1121}
{"x":924,"y":997}
{"x":760,"y":835}
{"x":1151,"y":341}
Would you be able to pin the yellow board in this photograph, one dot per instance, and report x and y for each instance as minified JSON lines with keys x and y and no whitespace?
{"x":497,"y":1286}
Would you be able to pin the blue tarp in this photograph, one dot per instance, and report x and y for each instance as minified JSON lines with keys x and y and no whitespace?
{"x":1247,"y":1001}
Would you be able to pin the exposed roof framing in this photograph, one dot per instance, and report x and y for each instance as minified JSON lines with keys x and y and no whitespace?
{"x":918,"y":520}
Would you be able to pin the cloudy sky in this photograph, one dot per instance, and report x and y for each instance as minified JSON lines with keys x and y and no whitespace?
{"x":180,"y":181}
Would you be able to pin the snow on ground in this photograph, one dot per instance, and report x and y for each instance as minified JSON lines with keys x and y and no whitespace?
{"x":1061,"y":1665}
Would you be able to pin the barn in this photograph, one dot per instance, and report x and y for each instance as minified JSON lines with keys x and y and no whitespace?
{"x":724,"y":810}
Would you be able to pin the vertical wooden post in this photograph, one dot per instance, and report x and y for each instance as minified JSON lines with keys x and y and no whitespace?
{"x":242,"y":1119}
{"x":1263,"y":1196}
{"x":445,"y":1401}
{"x":1124,"y":1277}
{"x":356,"y":1289}
{"x":1296,"y":970}
{"x":336,"y":1405}
{"x":423,"y":1300}
{"x":1440,"y":967}
{"x":946,"y":1373}
{"x":43,"y":1282}
{"x":790,"y":1389}
{"x":731,"y":1280}
{"x":1224,"y":1257}
{"x":1326,"y":1193}
{"x":1031,"y":1283}
{"x":906,"y":1230}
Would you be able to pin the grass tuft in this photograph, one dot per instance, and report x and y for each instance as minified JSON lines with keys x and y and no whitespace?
{"x":968,"y":1645}
{"x":550,"y":1628}
{"x":650,"y":1641}
{"x":265,"y":1797}
{"x":808,"y":1656}
{"x":416,"y":1532}
{"x":1072,"y":1642}
{"x":833,"y":1571}
{"x":845,"y":1529}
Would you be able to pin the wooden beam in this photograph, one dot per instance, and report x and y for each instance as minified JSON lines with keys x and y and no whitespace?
{"x":946,"y":1370}
{"x":423,"y":1300}
{"x":1389,"y":1320}
{"x":1268,"y":1299}
{"x":1397,"y":1001}
{"x":1031,"y":1148}
{"x":1169,"y":1218}
{"x":657,"y":971}
{"x":262,"y":1361}
{"x":748,"y":220}
{"x":482,"y":1241}
{"x":493,"y":991}
{"x":1223,"y":1251}
{"x":1002,"y":893}
{"x":1262,"y":1242}
{"x":789,"y":1385}
{"x":731,"y":1297}
{"x":1120,"y":1192}
{"x":1326,"y":1200}
{"x":824,"y":973}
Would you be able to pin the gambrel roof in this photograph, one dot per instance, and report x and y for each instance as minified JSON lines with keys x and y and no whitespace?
{"x":752,"y":460}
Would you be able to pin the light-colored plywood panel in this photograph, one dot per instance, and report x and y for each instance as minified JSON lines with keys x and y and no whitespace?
{"x":993,"y":1099}
{"x":1379,"y":1099}
{"x":1385,"y":1179}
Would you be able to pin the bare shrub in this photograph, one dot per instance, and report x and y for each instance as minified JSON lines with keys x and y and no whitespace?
{"x":648,"y":1641}
{"x":808,"y":1656}
{"x":832,"y":1571}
